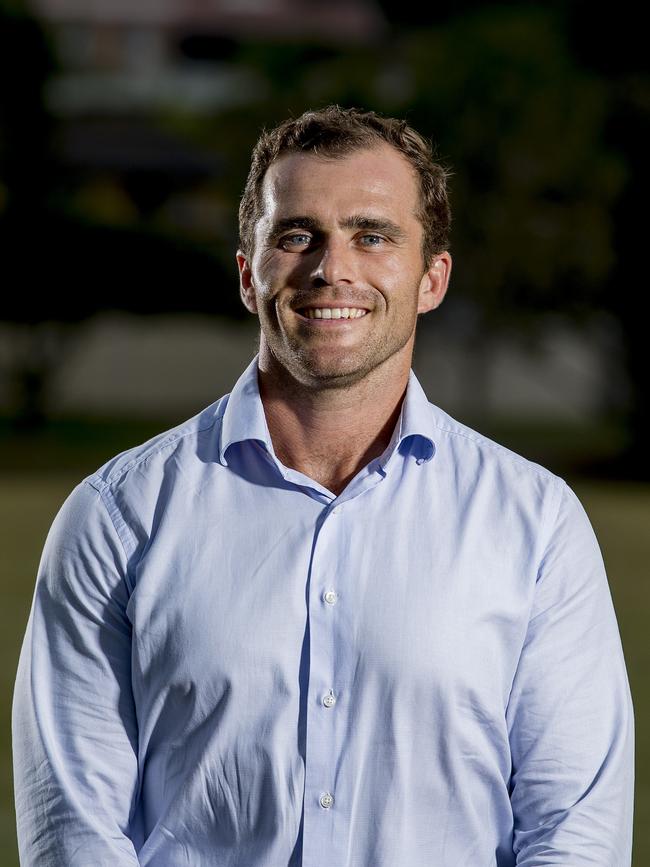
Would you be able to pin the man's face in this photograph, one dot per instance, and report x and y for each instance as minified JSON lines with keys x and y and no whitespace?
{"x":339,"y":233}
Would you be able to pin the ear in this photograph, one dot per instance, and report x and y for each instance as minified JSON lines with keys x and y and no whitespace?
{"x":434,"y":282}
{"x":246,"y":288}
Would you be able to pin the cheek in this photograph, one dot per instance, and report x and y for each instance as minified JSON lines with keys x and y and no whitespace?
{"x":264,"y":289}
{"x":269,"y":279}
{"x":394,"y":282}
{"x":391,"y":271}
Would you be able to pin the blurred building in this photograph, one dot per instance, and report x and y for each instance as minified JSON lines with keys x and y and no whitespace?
{"x":125,"y":69}
{"x":118,"y":56}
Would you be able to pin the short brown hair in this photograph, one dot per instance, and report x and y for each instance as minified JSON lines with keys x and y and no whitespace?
{"x":335,"y":132}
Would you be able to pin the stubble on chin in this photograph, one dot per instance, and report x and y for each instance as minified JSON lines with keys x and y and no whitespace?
{"x":303,"y":373}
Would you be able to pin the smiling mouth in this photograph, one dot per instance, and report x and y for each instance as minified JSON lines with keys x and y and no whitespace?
{"x":331,"y":314}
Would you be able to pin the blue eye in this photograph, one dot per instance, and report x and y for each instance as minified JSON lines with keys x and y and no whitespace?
{"x":304,"y":239}
{"x":291,"y":239}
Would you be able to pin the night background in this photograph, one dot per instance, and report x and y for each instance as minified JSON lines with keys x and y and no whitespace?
{"x":125,"y":138}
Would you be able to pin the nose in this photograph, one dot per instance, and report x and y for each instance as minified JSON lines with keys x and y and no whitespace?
{"x":334,"y":263}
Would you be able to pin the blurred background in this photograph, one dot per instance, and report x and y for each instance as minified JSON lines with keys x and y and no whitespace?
{"x":125,"y":138}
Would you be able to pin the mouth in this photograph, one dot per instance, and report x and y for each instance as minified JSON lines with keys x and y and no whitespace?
{"x":329,"y":316}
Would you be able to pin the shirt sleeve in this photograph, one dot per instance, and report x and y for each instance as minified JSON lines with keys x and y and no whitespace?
{"x":570,"y":715}
{"x":74,"y":726}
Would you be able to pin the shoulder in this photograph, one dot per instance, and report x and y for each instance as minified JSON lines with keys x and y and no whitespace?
{"x":139,"y":488}
{"x":476,"y":462}
{"x":454,"y":435}
{"x":501,"y":490}
{"x":171,"y":451}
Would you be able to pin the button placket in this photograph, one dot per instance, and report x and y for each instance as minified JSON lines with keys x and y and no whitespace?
{"x":327,"y":710}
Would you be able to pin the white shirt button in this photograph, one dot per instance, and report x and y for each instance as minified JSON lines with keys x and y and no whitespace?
{"x":336,"y":510}
{"x":326,"y":800}
{"x":330,"y":597}
{"x":329,"y":699}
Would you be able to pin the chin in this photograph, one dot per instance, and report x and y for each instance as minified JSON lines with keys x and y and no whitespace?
{"x":332,"y":377}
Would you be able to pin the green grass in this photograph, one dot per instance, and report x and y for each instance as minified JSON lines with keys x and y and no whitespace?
{"x":619,"y":512}
{"x":27,"y":507}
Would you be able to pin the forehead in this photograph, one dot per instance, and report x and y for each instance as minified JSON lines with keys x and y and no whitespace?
{"x":377,"y":179}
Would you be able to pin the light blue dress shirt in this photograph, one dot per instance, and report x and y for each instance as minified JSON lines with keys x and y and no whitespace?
{"x":227,"y":665}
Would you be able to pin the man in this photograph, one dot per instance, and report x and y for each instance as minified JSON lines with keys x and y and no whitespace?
{"x":322,"y":622}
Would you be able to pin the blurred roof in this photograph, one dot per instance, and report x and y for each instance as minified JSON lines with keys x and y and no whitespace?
{"x":341,"y":20}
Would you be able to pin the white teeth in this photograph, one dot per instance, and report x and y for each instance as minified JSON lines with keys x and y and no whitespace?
{"x":335,"y":312}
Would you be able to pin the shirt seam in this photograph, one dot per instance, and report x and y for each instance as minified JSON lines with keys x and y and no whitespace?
{"x":136,"y":461}
{"x":480,"y":440}
{"x":122,"y":530}
{"x":561,"y":489}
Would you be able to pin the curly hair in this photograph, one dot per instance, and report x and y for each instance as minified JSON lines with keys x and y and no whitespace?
{"x":336,"y":132}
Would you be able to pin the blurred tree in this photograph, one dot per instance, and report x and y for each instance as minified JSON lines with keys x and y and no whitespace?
{"x":27,"y":170}
{"x":534,"y":180}
{"x":615,"y":46}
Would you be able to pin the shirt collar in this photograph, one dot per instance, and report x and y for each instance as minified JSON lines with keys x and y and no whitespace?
{"x":244,"y":419}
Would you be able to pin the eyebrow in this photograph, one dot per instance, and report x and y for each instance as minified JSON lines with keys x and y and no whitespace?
{"x":356,"y":221}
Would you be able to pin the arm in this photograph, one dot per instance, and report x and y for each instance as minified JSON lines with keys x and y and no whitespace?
{"x":74,"y":726}
{"x":570,"y":715}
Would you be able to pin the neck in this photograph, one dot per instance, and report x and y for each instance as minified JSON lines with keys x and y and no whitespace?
{"x":330,"y":434}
